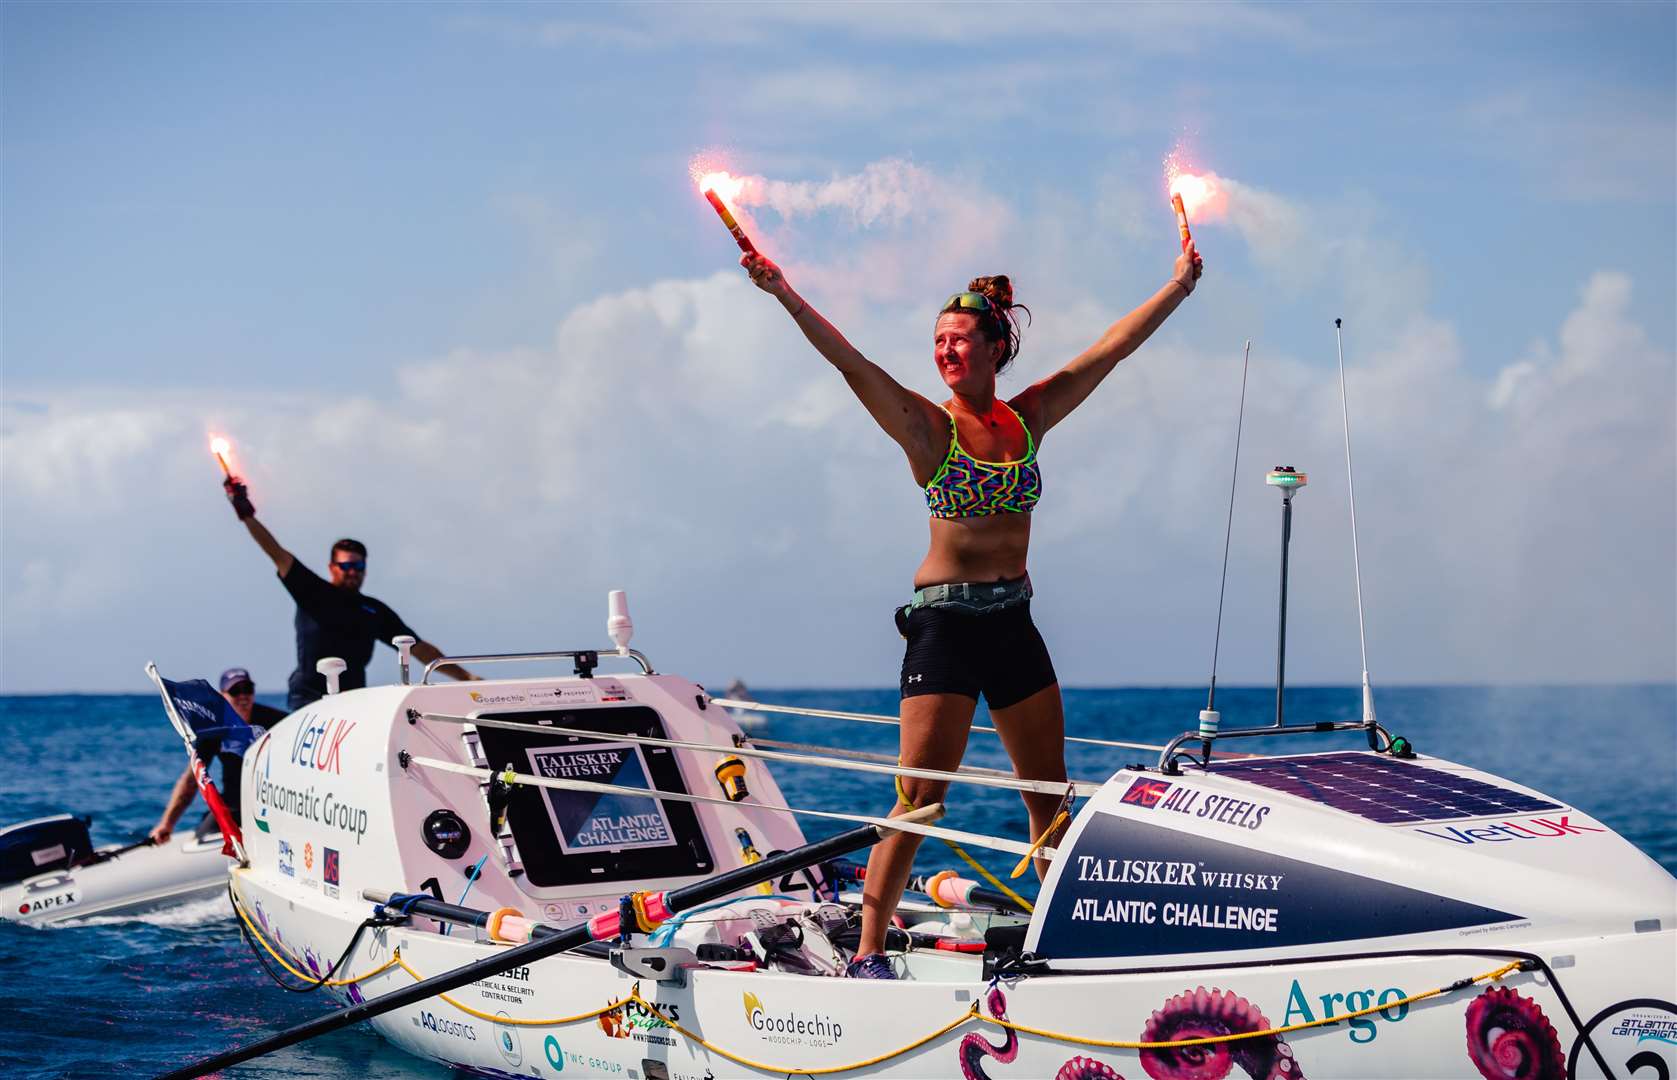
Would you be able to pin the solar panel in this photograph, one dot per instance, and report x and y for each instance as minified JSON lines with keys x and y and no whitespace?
{"x":1382,"y":789}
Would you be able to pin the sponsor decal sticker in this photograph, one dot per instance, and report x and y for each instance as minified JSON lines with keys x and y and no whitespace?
{"x":511,"y":985}
{"x":287,"y":865}
{"x":791,"y":1028}
{"x":308,"y":856}
{"x":508,"y":1043}
{"x":1635,"y":1035}
{"x":321,"y":808}
{"x":267,"y":765}
{"x":555,"y":1053}
{"x":47,"y":903}
{"x":1364,"y":1029}
{"x":1503,"y":832}
{"x":319,"y":744}
{"x":564,"y":695}
{"x":635,"y":1021}
{"x":1134,"y":889}
{"x":329,"y":869}
{"x":588,"y":822}
{"x":1218,"y":809}
{"x":442,"y":1025}
{"x":1146,"y":793}
{"x":497,"y":697}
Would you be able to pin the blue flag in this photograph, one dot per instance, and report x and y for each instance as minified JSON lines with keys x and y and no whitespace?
{"x":211,"y":718}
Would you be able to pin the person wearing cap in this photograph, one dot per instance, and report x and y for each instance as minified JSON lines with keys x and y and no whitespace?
{"x":334,"y":618}
{"x":240,"y":691}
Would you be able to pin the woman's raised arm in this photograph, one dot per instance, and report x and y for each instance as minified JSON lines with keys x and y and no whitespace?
{"x":1051,"y":400}
{"x":917,"y":425}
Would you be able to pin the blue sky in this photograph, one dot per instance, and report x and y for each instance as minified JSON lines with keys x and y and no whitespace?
{"x":441,"y":273}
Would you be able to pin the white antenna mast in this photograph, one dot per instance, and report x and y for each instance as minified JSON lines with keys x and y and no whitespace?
{"x":1356,"y":562}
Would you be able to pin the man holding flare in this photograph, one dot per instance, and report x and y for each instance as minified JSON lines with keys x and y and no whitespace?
{"x":968,"y":626}
{"x":334,"y":618}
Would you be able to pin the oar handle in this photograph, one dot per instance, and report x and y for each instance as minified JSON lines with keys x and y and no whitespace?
{"x":700,"y":892}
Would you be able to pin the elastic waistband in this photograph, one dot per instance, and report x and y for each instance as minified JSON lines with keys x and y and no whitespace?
{"x":974,"y":596}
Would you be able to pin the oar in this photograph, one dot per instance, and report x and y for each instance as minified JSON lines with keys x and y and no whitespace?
{"x":689,"y":896}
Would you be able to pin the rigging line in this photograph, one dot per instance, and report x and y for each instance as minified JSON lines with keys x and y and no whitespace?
{"x":1013,"y":847}
{"x":1228,"y":530}
{"x":872,"y":718}
{"x":862,"y":755}
{"x":1351,"y":486}
{"x":1041,"y":787}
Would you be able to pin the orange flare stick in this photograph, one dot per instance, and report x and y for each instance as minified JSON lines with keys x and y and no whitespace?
{"x":727,"y":217}
{"x":1181,"y":220}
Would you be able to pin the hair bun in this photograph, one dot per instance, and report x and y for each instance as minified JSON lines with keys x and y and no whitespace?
{"x":998,"y":289}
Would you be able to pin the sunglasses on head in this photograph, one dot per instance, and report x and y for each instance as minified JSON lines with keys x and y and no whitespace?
{"x":238,"y":689}
{"x":969,"y":301}
{"x":352,"y":564}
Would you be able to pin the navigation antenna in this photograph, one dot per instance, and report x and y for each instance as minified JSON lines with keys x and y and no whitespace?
{"x":1208,"y":715}
{"x":1356,"y":563}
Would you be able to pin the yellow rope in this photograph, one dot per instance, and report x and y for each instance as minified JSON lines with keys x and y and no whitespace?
{"x":903,"y":800}
{"x":1025,"y":862}
{"x":971,"y":1014}
{"x":991,"y":878}
{"x":514,"y":1022}
{"x":262,"y":941}
{"x":1208,"y":1040}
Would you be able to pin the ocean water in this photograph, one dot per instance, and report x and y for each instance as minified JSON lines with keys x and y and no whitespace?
{"x":141,"y":995}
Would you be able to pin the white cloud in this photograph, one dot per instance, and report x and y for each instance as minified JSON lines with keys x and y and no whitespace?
{"x":682,"y":441}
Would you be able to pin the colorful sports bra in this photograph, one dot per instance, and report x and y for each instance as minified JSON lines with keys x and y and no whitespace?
{"x":967,"y":487}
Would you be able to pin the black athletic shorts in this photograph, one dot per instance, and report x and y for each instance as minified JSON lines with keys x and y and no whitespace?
{"x":998,"y":654}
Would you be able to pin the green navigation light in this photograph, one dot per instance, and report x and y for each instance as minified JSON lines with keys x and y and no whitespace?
{"x":1285,"y":476}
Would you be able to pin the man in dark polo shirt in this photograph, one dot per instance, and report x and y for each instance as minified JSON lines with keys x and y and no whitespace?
{"x":334,"y":617}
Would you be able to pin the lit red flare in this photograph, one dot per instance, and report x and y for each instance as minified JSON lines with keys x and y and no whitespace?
{"x":712,"y":185}
{"x":1191,"y":192}
{"x":220,"y":447}
{"x":1192,"y":189}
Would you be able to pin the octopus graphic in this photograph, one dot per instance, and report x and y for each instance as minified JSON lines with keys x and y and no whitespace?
{"x":1509,"y":1038}
{"x":1203,"y":1013}
{"x":975,"y":1047}
{"x":1085,"y":1068}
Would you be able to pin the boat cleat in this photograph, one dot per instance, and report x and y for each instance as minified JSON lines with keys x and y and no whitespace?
{"x":666,"y":966}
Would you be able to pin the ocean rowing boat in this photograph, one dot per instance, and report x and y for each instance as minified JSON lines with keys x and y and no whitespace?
{"x":1367,"y":913}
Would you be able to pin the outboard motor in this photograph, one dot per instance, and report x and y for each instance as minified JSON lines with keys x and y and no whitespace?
{"x":45,"y":844}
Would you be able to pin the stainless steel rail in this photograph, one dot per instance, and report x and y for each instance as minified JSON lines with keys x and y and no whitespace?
{"x":568,"y":654}
{"x":1167,"y":759}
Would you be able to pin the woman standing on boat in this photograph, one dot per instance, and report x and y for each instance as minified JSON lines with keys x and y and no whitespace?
{"x":969,"y":626}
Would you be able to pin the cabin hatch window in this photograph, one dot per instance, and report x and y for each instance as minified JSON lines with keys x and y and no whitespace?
{"x":571,"y":838}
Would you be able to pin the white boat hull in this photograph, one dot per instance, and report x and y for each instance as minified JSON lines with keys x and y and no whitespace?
{"x":1283,"y":912}
{"x":784,"y":1023}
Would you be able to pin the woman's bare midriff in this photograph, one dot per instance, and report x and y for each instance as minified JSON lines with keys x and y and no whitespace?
{"x":989,"y":548}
